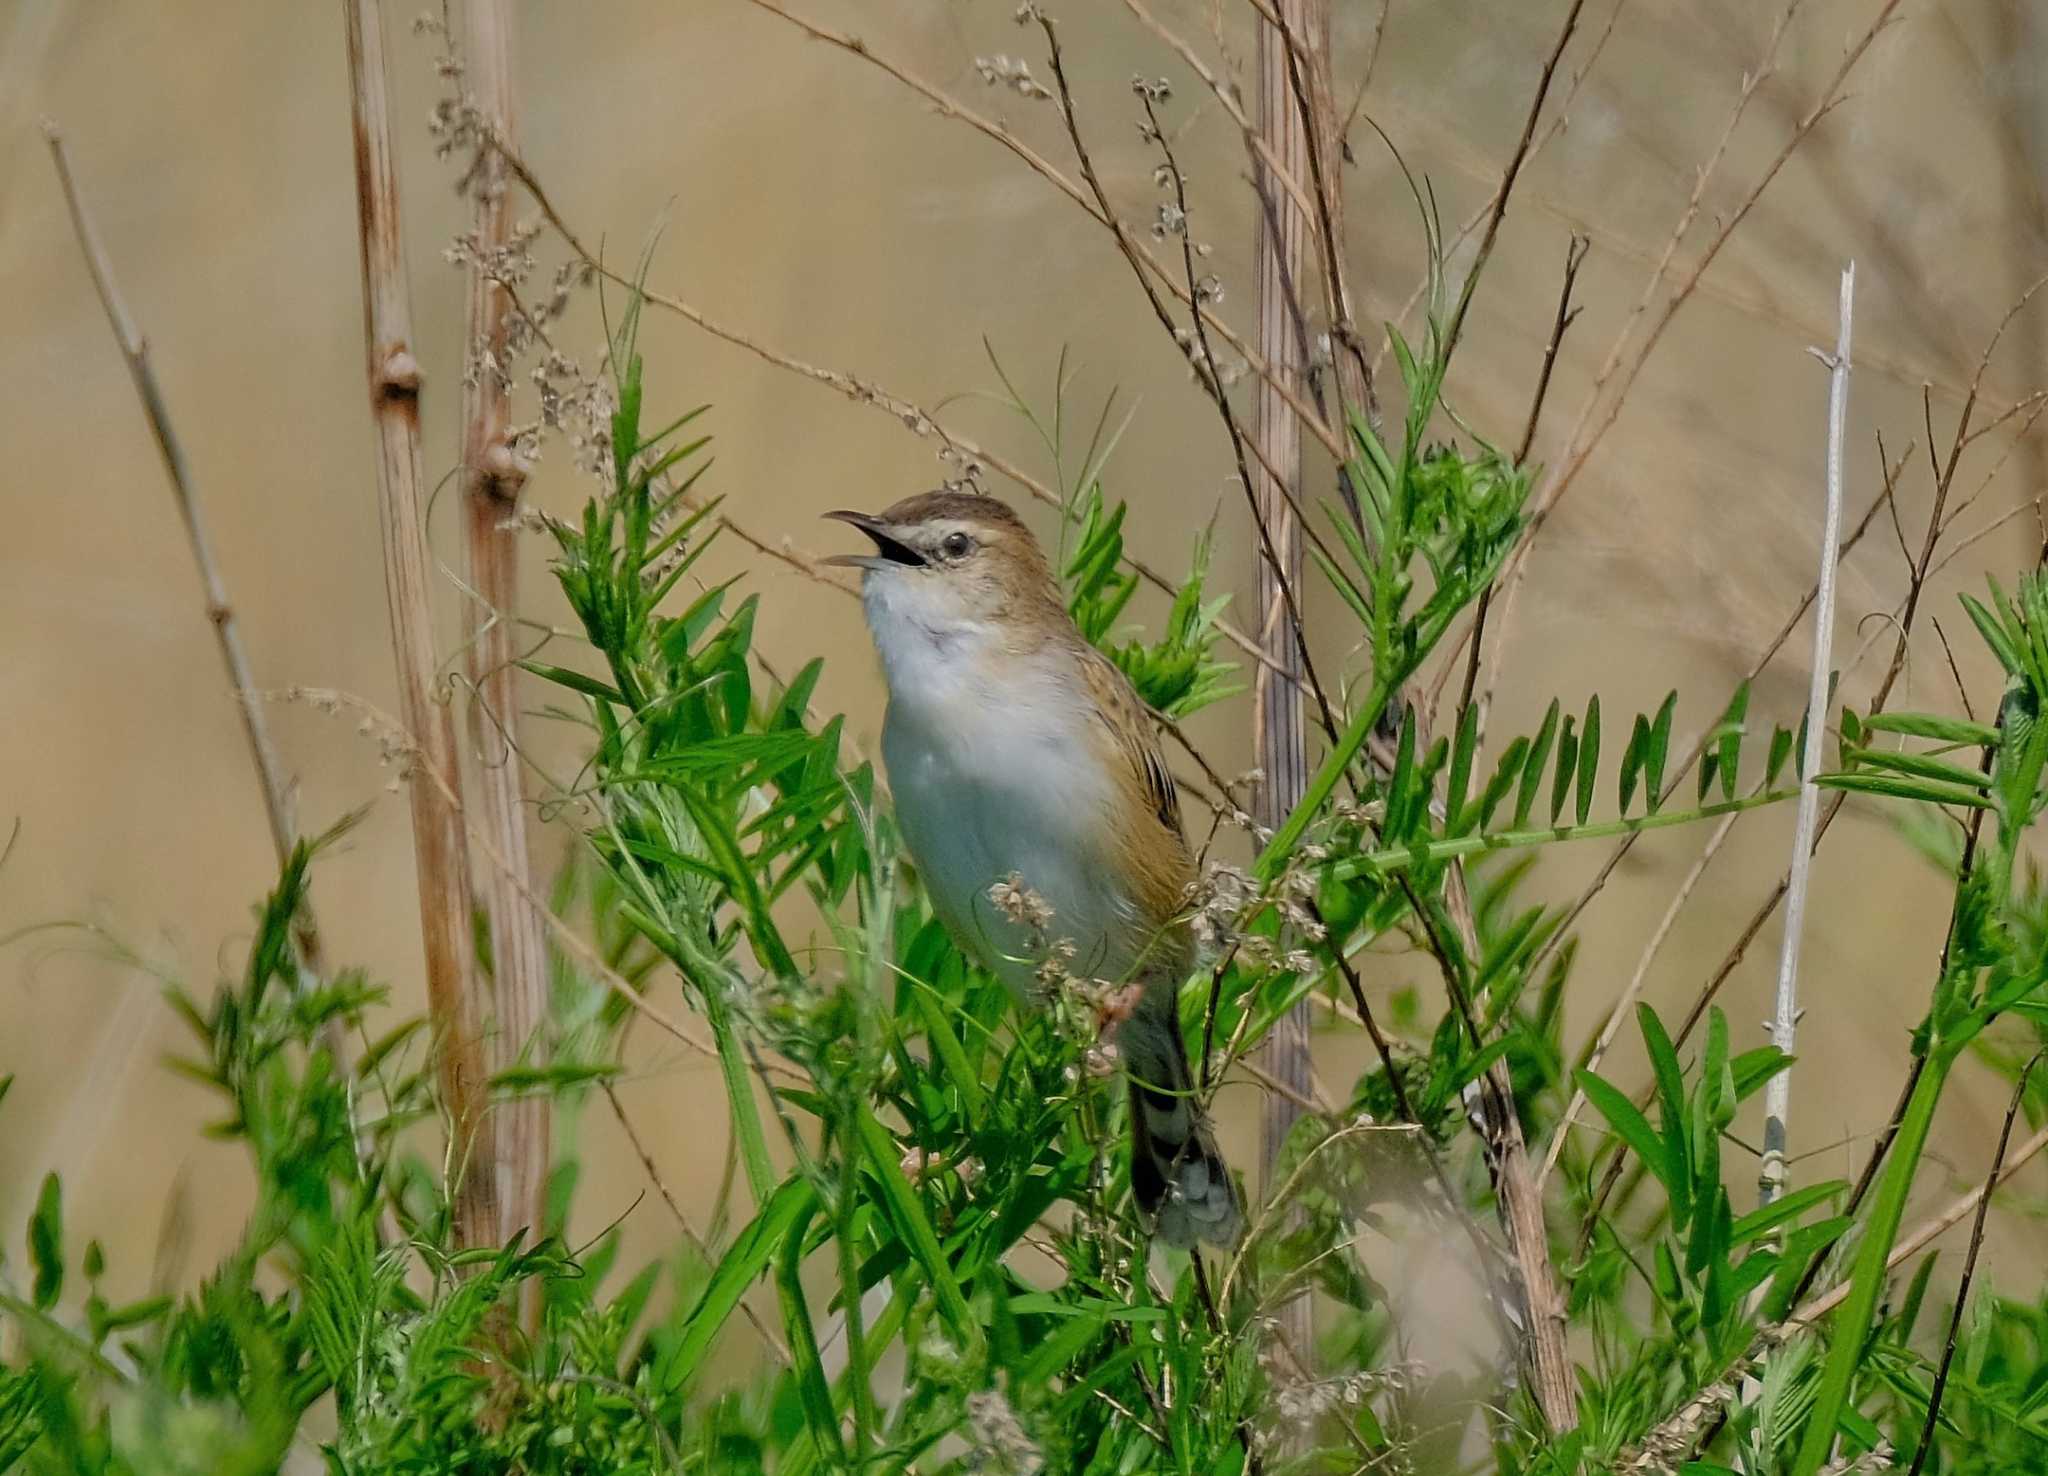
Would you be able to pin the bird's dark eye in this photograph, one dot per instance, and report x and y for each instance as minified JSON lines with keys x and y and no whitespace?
{"x":957,"y":546}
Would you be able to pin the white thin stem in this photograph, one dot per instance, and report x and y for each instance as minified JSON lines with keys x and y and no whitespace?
{"x":1778,"y":1095}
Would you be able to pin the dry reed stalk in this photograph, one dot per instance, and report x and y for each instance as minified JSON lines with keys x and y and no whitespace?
{"x":442,"y":861}
{"x":270,"y":774}
{"x":1279,"y":744}
{"x":1784,"y":1024}
{"x":492,"y":477}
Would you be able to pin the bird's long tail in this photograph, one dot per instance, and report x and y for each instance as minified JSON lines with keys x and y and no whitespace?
{"x":1177,"y":1176}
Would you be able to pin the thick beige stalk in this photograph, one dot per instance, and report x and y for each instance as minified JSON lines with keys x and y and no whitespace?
{"x":1284,"y":263}
{"x":492,"y":478}
{"x":394,"y":381}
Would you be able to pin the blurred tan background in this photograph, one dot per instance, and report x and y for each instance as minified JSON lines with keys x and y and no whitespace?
{"x":820,"y":207}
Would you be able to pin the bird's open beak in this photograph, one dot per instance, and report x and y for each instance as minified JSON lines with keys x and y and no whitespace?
{"x":888,"y":550}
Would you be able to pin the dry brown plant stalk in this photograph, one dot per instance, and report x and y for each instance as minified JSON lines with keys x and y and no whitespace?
{"x":227,"y":631}
{"x":492,"y":477}
{"x":443,"y":865}
{"x":1279,"y":743}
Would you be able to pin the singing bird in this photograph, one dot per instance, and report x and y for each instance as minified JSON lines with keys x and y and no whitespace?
{"x":1015,"y":749}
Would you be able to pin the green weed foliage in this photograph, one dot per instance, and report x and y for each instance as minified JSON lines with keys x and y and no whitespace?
{"x":926,"y":1258}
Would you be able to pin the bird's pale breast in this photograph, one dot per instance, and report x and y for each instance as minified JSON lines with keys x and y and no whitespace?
{"x":991,"y":783}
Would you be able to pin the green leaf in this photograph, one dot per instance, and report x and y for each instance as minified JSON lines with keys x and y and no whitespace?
{"x":1729,"y":755}
{"x":1654,"y":756}
{"x":1925,"y":790}
{"x":899,"y":1201}
{"x":1781,"y":749}
{"x":809,"y":1365}
{"x":46,"y":1243}
{"x":1753,"y":1068}
{"x":1533,"y":764}
{"x":1461,"y":768}
{"x":1589,"y":759}
{"x":1671,"y":1095}
{"x":575,"y":681}
{"x":1759,"y":1223}
{"x":1994,"y":636}
{"x":1505,"y":775}
{"x":1632,"y":759}
{"x":1630,"y":1126}
{"x":789,"y":1207}
{"x":1567,"y":768}
{"x":1920,"y":766}
{"x":1959,"y":731}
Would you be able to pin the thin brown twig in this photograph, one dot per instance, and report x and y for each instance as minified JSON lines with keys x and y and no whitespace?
{"x":270,"y":773}
{"x":854,"y":388}
{"x":1212,"y":378}
{"x":1574,"y":258}
{"x":1588,"y":433}
{"x":949,"y":107}
{"x":1885,"y":498}
{"x":443,"y":867}
{"x":1498,"y":212}
{"x":1485,"y":210}
{"x":647,"y":1164}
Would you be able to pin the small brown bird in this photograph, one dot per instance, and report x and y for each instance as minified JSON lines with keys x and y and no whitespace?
{"x":1016,"y":749}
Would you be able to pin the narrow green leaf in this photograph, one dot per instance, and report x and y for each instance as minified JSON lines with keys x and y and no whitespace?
{"x":1505,"y":774}
{"x":1462,"y":755}
{"x":575,"y":681}
{"x":1589,"y":759}
{"x":1995,"y":637}
{"x":1869,"y":1274}
{"x":1728,"y":754}
{"x":1632,"y":760}
{"x":46,"y":1243}
{"x":808,"y":1363}
{"x":1533,"y":765}
{"x":1922,"y":766}
{"x":1659,"y":749}
{"x":1671,"y":1096}
{"x":1781,"y":749}
{"x":1567,"y":767}
{"x":1930,"y":725}
{"x":789,"y":1206}
{"x":899,"y":1200}
{"x":1924,"y":790}
{"x":1759,"y":1223}
{"x":1405,"y":808}
{"x":1629,"y":1125}
{"x":1752,"y":1068}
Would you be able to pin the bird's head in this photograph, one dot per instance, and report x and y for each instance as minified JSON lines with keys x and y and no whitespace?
{"x":951,"y":567}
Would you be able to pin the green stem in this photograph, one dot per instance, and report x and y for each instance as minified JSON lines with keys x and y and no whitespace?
{"x":1852,"y":1323}
{"x":739,"y":1091}
{"x":865,"y":1419}
{"x":1379,"y":862}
